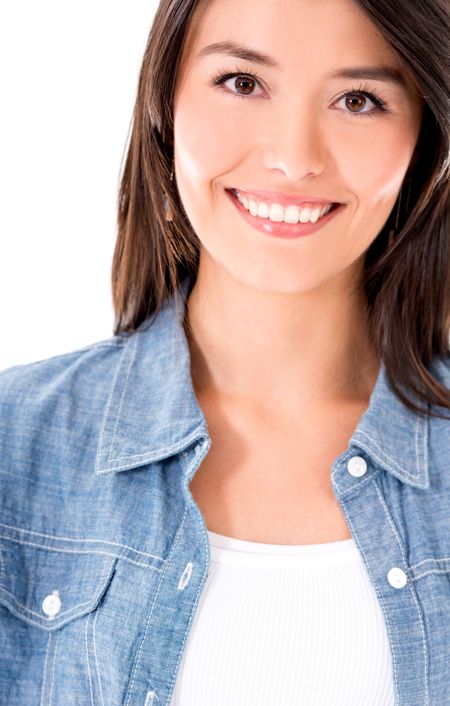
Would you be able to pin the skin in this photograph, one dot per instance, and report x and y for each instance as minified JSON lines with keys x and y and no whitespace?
{"x":277,"y":327}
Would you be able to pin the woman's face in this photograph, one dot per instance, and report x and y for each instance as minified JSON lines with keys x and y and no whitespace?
{"x":333,"y":118}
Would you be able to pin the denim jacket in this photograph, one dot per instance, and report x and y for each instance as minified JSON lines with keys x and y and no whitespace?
{"x":104,"y":553}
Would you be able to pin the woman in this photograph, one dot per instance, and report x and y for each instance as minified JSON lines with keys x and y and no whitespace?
{"x":243,"y":496}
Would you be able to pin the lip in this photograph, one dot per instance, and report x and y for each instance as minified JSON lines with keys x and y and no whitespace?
{"x":284,"y":230}
{"x":282,"y":198}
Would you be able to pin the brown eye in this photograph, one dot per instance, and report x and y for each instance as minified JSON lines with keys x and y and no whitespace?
{"x":240,"y":84}
{"x":355,"y":102}
{"x":247,"y":84}
{"x":361,"y":103}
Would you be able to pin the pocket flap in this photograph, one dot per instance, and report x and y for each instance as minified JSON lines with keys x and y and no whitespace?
{"x":49,"y":587}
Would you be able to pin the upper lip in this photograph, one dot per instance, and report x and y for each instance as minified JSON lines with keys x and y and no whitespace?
{"x":282,"y":198}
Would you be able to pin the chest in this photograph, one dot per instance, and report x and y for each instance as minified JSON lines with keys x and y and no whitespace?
{"x":273,"y":485}
{"x":266,"y":513}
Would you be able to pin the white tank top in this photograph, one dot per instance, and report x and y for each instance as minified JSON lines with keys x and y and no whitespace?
{"x":286,"y":624}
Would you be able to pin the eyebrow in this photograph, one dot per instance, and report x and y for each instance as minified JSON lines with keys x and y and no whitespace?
{"x":239,"y":51}
{"x":388,"y":74}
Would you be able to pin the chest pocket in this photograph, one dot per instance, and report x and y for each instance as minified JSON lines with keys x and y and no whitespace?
{"x":49,"y":587}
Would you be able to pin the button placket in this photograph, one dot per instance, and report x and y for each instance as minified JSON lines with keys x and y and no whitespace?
{"x":359,"y":486}
{"x":357,"y":467}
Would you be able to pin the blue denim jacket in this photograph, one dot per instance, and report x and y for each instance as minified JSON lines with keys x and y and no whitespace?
{"x":104,"y":553}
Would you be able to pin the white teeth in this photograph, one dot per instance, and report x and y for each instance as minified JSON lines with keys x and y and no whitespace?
{"x":305,"y":214}
{"x":315,"y":215}
{"x":263,"y":210}
{"x":253,"y":208}
{"x":278,"y":213}
{"x":291,"y":214}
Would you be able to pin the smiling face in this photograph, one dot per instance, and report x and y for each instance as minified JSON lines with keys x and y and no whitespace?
{"x":311,"y":123}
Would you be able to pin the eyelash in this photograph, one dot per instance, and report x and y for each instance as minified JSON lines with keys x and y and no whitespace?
{"x":380,"y":105}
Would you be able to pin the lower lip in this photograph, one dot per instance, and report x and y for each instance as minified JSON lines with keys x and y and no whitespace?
{"x":283,"y":230}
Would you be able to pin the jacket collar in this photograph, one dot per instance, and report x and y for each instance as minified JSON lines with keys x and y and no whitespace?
{"x":152,"y":412}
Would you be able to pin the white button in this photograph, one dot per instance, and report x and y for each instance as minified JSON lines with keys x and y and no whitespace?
{"x":357,"y":466}
{"x":397,"y":577}
{"x":51,"y":605}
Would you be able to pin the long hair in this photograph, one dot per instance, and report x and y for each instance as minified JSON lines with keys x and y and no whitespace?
{"x":406,"y":279}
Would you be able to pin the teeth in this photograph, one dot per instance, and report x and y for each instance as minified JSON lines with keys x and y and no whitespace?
{"x":278,"y":213}
{"x":263,"y":210}
{"x":305,"y":215}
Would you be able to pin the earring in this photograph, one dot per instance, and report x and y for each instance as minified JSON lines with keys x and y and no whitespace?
{"x":167,"y":204}
{"x":168,"y":209}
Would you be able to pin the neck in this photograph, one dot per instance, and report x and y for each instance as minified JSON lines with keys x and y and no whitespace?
{"x":278,"y":349}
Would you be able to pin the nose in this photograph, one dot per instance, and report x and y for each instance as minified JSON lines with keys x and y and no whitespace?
{"x":296,"y":145}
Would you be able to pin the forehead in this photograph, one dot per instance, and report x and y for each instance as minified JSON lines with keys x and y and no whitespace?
{"x":296,"y":32}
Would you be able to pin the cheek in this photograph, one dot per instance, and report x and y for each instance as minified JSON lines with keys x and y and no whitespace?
{"x":206,"y":140}
{"x":207,"y":148}
{"x":373,"y":164}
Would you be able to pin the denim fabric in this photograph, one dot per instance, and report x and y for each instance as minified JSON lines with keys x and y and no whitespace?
{"x":97,"y":449}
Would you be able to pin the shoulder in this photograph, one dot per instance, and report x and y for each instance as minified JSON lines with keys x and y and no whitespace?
{"x":56,"y":401}
{"x":106,"y":406}
{"x":29,"y":385}
{"x":439,"y":426}
{"x":441,"y":369}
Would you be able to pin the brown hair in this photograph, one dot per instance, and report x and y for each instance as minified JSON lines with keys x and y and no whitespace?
{"x":406,"y":279}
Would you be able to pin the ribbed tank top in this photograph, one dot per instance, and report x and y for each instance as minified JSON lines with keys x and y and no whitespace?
{"x":286,"y":625}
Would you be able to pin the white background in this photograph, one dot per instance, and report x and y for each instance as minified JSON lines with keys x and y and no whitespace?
{"x":69,"y":75}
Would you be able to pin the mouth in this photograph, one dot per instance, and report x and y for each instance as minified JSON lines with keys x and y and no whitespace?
{"x":291,"y":221}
